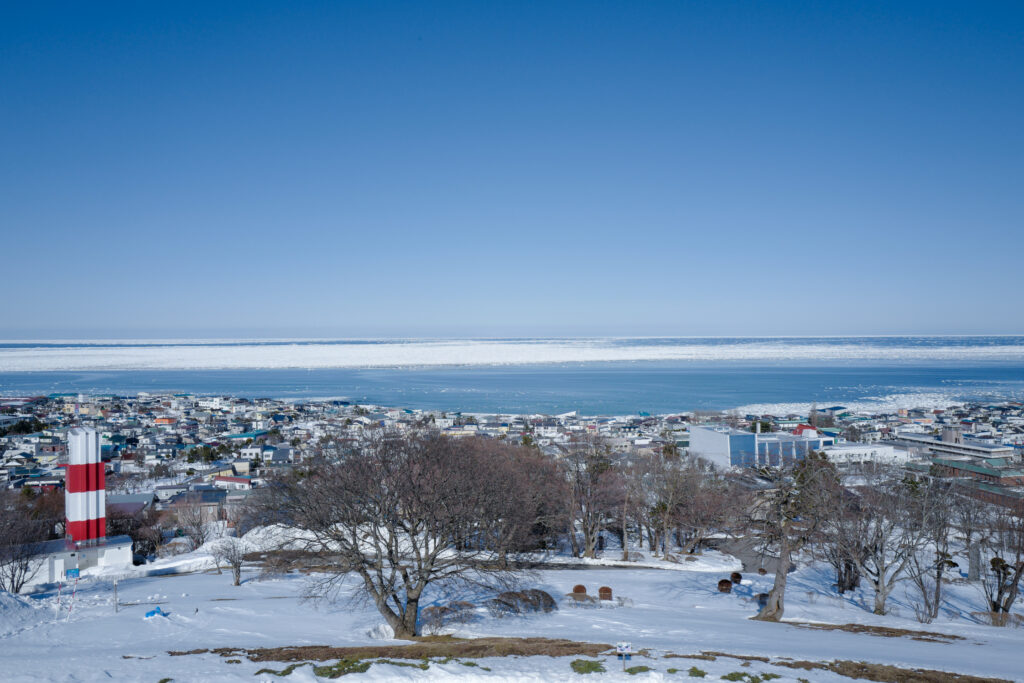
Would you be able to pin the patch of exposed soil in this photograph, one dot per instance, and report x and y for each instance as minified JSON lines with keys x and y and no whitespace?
{"x":883,"y":673}
{"x":884,"y":631}
{"x":424,"y":648}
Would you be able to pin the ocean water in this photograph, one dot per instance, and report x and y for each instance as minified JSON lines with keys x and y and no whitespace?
{"x":594,"y":376}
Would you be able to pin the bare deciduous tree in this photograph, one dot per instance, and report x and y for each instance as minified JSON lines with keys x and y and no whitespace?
{"x":595,"y":491}
{"x":193,"y":523}
{"x":1001,"y":581}
{"x":879,"y":533}
{"x":231,"y":552}
{"x":22,"y":541}
{"x":790,"y":515}
{"x":401,"y":512}
{"x":932,"y":505}
{"x":711,"y":504}
{"x":971,"y":519}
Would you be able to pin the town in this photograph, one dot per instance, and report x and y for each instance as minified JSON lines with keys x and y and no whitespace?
{"x":167,"y":450}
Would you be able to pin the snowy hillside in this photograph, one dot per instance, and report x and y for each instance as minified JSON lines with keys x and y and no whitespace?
{"x":663,"y":613}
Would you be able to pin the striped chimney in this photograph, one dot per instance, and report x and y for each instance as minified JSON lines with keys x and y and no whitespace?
{"x":85,"y":490}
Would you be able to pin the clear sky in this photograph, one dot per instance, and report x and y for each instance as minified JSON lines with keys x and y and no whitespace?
{"x":487,"y":168}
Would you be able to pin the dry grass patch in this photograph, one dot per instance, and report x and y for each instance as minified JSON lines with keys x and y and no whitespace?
{"x":884,"y":631}
{"x":430,"y":647}
{"x":885,"y":673}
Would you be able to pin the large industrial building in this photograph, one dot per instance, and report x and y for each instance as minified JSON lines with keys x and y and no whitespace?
{"x":729,"y":447}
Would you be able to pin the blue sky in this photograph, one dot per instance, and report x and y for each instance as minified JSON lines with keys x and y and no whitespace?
{"x":481,"y":169}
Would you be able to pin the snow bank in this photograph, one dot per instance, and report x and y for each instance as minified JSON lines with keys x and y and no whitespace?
{"x":18,"y":613}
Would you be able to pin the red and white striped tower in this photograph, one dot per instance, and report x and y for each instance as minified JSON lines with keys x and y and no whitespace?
{"x":85,"y":489}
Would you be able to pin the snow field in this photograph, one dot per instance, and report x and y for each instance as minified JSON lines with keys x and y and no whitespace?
{"x":677,"y":612}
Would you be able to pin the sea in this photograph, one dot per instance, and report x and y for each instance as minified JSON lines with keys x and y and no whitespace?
{"x":592,"y":376}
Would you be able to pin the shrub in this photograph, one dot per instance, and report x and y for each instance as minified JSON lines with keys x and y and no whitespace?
{"x":634,"y":670}
{"x":725,"y":586}
{"x":500,"y":607}
{"x":762,"y":571}
{"x":436,"y":617}
{"x":521,"y":602}
{"x":582,"y":600}
{"x":736,"y":578}
{"x":697,"y":673}
{"x":579,"y":588}
{"x":587,"y":666}
{"x":538,"y":600}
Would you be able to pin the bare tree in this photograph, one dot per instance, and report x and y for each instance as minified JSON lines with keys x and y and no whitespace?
{"x":529,"y":509}
{"x":230,"y":551}
{"x":595,"y":491}
{"x":631,"y":472}
{"x":22,"y":540}
{"x":837,"y":540}
{"x":669,"y":482}
{"x":971,"y":519}
{"x":879,"y":532}
{"x":193,"y":522}
{"x":711,"y":503}
{"x":400,"y":512}
{"x":1001,"y":581}
{"x":790,"y":515}
{"x":933,"y":509}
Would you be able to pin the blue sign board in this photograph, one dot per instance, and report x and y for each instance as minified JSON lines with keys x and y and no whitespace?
{"x":71,"y":573}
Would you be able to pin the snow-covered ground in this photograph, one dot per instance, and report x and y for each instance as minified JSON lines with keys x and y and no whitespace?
{"x":677,"y":612}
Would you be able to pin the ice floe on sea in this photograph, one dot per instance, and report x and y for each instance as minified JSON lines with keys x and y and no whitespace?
{"x":872,"y":404}
{"x":80,"y":356}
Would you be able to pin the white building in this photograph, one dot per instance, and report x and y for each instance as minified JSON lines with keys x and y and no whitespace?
{"x":61,"y":557}
{"x":859,"y":453}
{"x":728,"y":447}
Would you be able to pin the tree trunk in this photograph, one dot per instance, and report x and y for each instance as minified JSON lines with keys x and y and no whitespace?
{"x":237,"y":571}
{"x":625,"y":532}
{"x":973,"y":562}
{"x":590,"y":542}
{"x":881,"y":594}
{"x":937,"y":595}
{"x":406,"y":624}
{"x":1013,"y":588}
{"x":773,"y":610}
{"x":847,"y":576}
{"x":574,"y":543}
